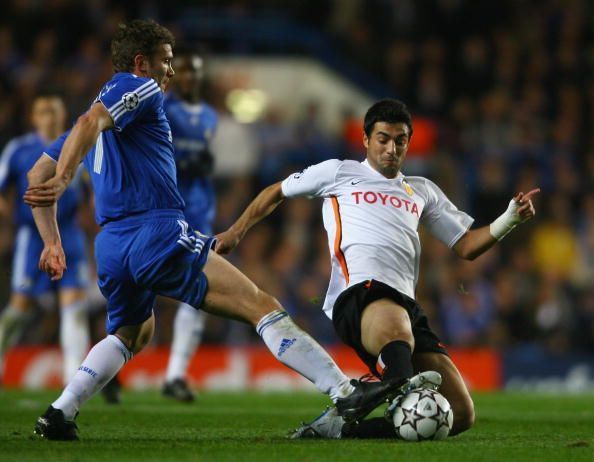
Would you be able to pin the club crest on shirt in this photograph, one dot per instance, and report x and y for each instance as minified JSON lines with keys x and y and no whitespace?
{"x":407,"y":188}
{"x":130,"y":100}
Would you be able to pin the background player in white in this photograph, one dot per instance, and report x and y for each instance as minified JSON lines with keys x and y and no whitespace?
{"x":193,"y":124}
{"x":146,"y":248}
{"x":48,"y":117}
{"x":371,"y":213}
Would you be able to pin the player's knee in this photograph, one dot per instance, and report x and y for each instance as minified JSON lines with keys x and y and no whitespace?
{"x":381,"y":335}
{"x":135,"y":345}
{"x":135,"y":338}
{"x":463,"y":416}
{"x":264,"y":304}
{"x":142,"y":341}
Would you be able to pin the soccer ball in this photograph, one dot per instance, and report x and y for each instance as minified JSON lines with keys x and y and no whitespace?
{"x":423,"y":415}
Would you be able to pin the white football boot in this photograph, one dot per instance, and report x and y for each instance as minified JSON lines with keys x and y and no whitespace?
{"x":327,"y":425}
{"x":427,"y":380}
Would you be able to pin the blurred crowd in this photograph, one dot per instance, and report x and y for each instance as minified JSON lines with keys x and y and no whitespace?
{"x":502,"y":94}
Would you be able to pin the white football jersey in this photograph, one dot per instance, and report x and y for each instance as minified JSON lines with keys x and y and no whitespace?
{"x":372,"y":222}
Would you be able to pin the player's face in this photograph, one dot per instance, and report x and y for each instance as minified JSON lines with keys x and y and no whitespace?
{"x":48,"y":116}
{"x":188,"y":76}
{"x":387,"y":146}
{"x":160,"y":66}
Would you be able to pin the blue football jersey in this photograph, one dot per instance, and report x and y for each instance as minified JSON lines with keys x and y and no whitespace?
{"x":132,"y":167}
{"x":193,"y":126}
{"x":18,"y":157}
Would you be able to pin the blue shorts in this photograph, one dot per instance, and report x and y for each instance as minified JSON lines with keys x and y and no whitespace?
{"x":153,"y":253}
{"x":29,"y":280}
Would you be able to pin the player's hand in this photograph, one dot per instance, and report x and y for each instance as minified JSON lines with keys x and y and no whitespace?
{"x":226,"y":241}
{"x":53,"y":261}
{"x":45,"y":194}
{"x":525,"y":209}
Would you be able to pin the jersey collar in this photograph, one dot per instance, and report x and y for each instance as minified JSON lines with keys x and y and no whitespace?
{"x":399,"y":177}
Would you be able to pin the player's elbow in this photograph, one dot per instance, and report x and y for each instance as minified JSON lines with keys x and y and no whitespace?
{"x":464,"y":250}
{"x":469,"y":255}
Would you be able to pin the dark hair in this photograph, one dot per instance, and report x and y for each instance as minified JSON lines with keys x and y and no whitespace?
{"x":138,"y":37}
{"x":387,"y":110}
{"x":49,"y":92}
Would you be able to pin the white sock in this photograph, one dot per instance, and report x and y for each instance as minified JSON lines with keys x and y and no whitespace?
{"x":102,"y":363}
{"x":187,"y":334}
{"x":74,"y":337}
{"x":12,"y":323}
{"x":297,"y":350}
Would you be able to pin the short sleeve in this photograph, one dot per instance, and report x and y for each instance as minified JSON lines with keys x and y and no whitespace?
{"x":6,"y":169}
{"x":54,"y":149}
{"x":442,"y":218}
{"x":314,"y":181}
{"x":129,"y":98}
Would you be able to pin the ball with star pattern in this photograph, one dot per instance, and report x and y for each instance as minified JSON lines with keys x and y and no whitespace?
{"x":423,"y":415}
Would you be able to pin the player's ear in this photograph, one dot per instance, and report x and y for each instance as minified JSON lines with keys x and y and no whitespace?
{"x":141,"y":63}
{"x":365,"y":140}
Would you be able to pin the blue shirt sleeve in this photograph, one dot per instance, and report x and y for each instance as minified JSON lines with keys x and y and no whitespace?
{"x":54,"y":149}
{"x":6,"y":169}
{"x":129,"y":99}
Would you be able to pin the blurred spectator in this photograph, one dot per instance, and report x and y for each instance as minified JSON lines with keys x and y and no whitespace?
{"x":554,"y":243}
{"x":466,"y":307}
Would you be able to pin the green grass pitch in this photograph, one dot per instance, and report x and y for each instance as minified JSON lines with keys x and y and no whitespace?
{"x":253,"y":426}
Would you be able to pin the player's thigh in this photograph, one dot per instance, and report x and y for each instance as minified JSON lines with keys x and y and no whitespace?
{"x":232,"y":294}
{"x":453,"y":387}
{"x":384,"y":321}
{"x":69,"y":296}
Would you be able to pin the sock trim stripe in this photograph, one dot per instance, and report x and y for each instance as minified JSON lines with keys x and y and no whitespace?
{"x":127,"y":354}
{"x":264,"y":323}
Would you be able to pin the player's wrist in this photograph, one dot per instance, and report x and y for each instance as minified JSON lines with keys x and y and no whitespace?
{"x":506,"y":222}
{"x":238,"y":231}
{"x":52,"y":241}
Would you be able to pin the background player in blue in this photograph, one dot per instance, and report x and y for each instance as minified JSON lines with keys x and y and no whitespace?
{"x":146,"y":247}
{"x":193,"y":124}
{"x":48,"y":117}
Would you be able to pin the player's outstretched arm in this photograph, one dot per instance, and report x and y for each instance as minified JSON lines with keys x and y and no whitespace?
{"x":259,"y":208}
{"x":81,"y":139}
{"x":477,"y":241}
{"x":52,"y":260}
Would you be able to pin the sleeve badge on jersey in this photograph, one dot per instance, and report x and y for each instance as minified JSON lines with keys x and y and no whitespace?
{"x":130,"y":100}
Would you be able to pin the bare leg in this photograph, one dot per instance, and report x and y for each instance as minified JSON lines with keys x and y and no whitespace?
{"x":233,"y":295}
{"x":453,"y":387}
